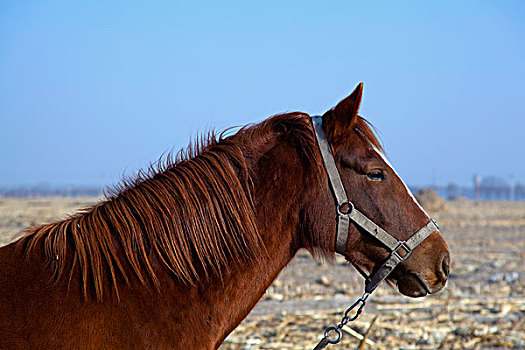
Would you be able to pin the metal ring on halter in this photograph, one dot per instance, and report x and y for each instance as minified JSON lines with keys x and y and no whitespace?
{"x":350,"y":208}
{"x":339,"y":334}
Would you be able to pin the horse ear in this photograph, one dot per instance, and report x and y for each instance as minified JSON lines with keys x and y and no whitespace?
{"x":342,"y":117}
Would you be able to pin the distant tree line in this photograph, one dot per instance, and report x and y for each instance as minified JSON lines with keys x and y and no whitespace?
{"x":488,"y":188}
{"x":49,"y":191}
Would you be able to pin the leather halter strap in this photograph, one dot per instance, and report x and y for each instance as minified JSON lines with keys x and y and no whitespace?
{"x":399,"y":250}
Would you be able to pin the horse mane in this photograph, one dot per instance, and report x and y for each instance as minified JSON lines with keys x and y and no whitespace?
{"x":194,"y":213}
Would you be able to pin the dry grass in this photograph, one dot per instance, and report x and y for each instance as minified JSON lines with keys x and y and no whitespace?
{"x":483,"y":305}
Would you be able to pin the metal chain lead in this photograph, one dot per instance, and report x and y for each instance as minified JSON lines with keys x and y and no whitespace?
{"x":361,"y":302}
{"x":344,"y":320}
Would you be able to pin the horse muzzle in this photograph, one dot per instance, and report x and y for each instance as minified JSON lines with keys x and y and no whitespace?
{"x":421,"y":283}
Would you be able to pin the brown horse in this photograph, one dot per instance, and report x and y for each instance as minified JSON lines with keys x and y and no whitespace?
{"x":176,"y":258}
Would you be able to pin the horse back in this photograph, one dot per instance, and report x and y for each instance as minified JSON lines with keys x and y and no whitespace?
{"x":35,"y":312}
{"x":16,"y":283}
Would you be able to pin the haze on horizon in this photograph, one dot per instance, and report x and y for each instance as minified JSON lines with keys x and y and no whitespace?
{"x":90,"y":91}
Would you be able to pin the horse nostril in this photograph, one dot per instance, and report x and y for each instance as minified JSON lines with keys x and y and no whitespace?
{"x":445,"y":269}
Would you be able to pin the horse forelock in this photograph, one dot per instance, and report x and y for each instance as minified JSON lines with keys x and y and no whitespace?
{"x":366,"y":130}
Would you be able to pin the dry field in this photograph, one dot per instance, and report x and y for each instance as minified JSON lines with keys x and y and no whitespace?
{"x":482,"y":307}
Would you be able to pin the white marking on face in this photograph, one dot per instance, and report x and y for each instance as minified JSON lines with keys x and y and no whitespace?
{"x":375,"y":149}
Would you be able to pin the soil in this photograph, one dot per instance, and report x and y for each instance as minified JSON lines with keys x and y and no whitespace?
{"x":483,"y":305}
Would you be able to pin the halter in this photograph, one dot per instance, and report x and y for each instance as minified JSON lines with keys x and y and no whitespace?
{"x":346,"y":211}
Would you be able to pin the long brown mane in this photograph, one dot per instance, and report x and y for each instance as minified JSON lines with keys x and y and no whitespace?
{"x":194,"y":213}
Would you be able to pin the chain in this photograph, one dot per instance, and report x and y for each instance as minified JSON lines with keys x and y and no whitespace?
{"x":344,"y":320}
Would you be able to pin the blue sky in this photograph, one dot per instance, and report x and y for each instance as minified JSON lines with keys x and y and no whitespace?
{"x":93,"y":90}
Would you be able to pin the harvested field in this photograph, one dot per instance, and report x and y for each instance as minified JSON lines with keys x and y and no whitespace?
{"x":483,"y":305}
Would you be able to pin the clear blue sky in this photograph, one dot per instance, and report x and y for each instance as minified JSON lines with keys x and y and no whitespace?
{"x":91,"y":90}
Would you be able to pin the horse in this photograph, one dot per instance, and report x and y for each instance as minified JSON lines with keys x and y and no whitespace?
{"x":177,"y":256}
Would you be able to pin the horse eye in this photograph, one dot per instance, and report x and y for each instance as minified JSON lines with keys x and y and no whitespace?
{"x":376,"y":174}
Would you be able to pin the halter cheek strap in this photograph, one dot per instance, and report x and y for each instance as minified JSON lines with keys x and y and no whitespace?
{"x":346,"y":212}
{"x":343,"y":220}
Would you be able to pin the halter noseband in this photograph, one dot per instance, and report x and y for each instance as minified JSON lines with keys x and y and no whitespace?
{"x":346,"y":211}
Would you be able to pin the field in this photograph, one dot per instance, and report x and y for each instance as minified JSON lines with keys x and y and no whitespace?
{"x":483,"y":305}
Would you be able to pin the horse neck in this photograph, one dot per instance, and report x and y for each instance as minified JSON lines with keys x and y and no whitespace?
{"x":278,"y":195}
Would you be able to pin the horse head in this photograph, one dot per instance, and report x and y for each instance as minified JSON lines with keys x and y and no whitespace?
{"x":377,"y":192}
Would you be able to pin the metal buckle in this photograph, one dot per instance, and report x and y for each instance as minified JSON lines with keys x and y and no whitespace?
{"x":342,"y":206}
{"x":402,"y":244}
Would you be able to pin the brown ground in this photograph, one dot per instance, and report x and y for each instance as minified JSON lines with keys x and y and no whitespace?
{"x":483,"y":305}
